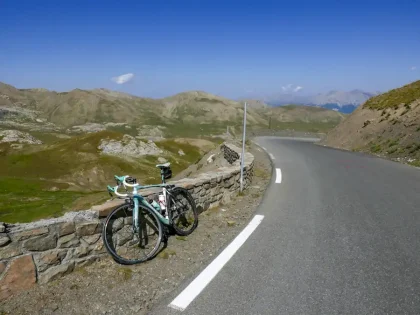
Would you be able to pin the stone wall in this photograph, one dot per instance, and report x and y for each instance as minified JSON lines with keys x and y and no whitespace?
{"x":44,"y":250}
{"x":231,"y":153}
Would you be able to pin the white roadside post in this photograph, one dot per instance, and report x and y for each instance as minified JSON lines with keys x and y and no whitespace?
{"x":243,"y":150}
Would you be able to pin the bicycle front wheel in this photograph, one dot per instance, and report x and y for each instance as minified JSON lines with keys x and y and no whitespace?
{"x":126,"y":246}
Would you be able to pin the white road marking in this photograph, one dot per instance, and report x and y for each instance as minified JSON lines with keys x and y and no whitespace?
{"x":182,"y":301}
{"x":278,"y":176}
{"x":272,"y":156}
{"x":264,"y":148}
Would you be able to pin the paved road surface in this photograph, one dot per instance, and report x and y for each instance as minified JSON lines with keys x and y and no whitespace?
{"x":340,"y":235}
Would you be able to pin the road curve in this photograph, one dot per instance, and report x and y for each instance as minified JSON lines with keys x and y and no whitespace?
{"x":340,"y":235}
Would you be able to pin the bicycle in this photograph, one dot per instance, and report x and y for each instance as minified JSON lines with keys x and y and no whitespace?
{"x":140,"y":225}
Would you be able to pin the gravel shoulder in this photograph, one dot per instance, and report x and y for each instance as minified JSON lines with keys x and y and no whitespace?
{"x":108,"y":288}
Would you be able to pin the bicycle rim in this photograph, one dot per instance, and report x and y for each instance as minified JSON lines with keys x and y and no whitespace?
{"x":125,"y":246}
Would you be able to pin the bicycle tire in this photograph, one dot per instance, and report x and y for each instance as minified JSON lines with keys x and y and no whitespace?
{"x":172,"y":195}
{"x":108,"y":228}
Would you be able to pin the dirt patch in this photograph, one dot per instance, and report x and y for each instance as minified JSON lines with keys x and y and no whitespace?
{"x":108,"y":288}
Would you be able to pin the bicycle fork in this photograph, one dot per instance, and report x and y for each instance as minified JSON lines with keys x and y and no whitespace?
{"x":136,"y":226}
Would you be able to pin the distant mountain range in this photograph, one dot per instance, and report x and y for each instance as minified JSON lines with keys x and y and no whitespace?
{"x":194,"y":109}
{"x":342,"y":101}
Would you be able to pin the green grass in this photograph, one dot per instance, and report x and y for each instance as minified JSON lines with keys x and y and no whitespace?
{"x":404,"y":95}
{"x":122,"y":129}
{"x":193,"y":130}
{"x":27,"y":177}
{"x":415,"y":163}
{"x":375,"y":148}
{"x":215,"y":140}
{"x":392,"y":142}
{"x":192,"y":154}
{"x":260,"y":172}
{"x":46,"y":138}
{"x":26,"y":200}
{"x":414,"y":148}
{"x":55,"y":161}
{"x":393,"y":150}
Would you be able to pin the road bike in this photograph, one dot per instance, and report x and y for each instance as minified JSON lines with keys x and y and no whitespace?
{"x":132,"y":233}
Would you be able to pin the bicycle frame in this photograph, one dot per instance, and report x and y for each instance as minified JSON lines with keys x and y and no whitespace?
{"x":139,"y":199}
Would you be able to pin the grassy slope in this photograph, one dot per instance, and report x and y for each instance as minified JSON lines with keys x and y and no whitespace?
{"x":44,"y":181}
{"x":25,"y":200}
{"x":403,"y":95}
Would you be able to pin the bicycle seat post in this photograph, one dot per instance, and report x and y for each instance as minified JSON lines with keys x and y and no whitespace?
{"x":162,"y":175}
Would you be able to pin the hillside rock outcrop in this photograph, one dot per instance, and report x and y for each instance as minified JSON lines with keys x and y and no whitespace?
{"x":18,"y":137}
{"x":129,"y":146}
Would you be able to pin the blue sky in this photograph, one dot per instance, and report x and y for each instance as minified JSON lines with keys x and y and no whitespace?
{"x":231,"y":48}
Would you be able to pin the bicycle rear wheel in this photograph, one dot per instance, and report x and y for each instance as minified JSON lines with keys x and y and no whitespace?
{"x":183,"y":211}
{"x":125,"y":246}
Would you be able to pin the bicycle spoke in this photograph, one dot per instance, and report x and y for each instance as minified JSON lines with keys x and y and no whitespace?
{"x":127,"y":245}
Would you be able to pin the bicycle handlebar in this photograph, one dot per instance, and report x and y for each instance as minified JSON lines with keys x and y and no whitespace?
{"x":115,"y":191}
{"x":122,"y":181}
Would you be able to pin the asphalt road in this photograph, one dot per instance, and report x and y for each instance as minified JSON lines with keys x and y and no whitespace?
{"x":340,"y":235}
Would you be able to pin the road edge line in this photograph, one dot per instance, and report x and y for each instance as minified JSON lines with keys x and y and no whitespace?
{"x":278,"y":175}
{"x":188,"y":295}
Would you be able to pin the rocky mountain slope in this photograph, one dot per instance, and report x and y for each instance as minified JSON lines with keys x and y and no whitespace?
{"x":387,"y":124}
{"x":184,"y":114}
{"x":254,"y":103}
{"x":301,"y":118}
{"x":79,"y":107}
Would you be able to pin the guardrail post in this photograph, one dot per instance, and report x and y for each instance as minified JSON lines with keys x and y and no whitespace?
{"x":243,"y":150}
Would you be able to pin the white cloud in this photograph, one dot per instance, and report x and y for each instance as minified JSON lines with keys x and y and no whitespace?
{"x":286,"y":88}
{"x":124,"y":78}
{"x":413,"y":68}
{"x":291,"y":88}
